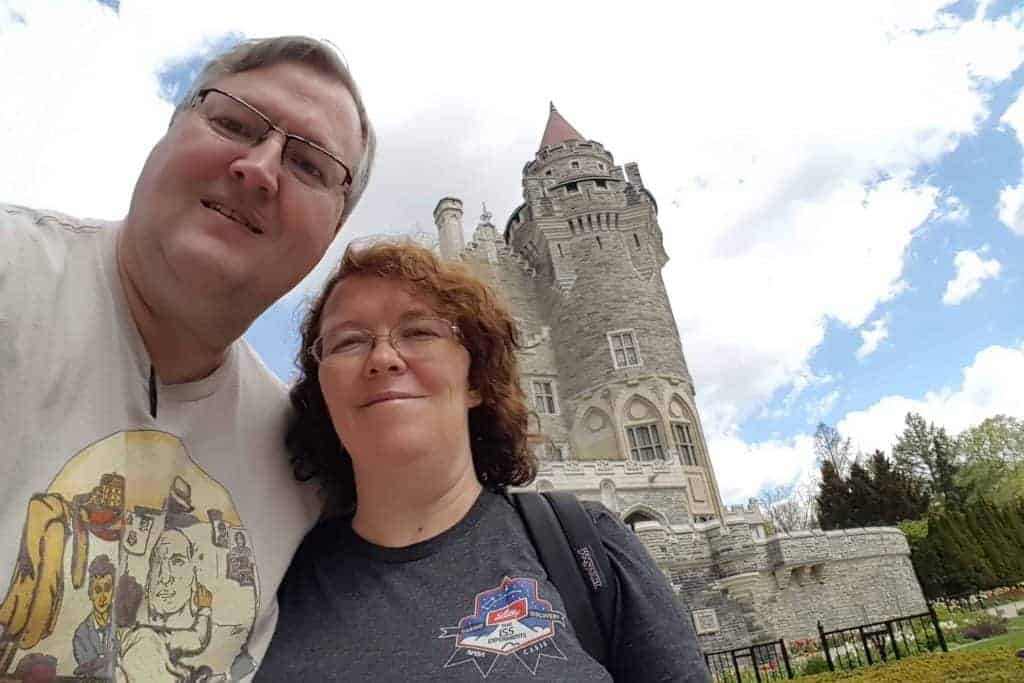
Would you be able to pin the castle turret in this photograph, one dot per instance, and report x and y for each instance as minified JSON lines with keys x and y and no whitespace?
{"x":588,"y":230}
{"x":448,"y":219}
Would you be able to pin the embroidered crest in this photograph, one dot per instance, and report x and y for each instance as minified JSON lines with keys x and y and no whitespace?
{"x":510,"y":619}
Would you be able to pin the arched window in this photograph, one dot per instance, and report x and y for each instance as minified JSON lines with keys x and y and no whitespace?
{"x":636,"y":517}
{"x":643,"y":436}
{"x":685,"y":435}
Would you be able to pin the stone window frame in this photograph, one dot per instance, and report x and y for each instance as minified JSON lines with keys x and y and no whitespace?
{"x":622,"y":336}
{"x":574,"y":165}
{"x":689,"y":453}
{"x":637,"y":447}
{"x":551,"y":395}
{"x":572,"y":188}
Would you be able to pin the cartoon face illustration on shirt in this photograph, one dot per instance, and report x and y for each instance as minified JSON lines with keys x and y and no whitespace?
{"x":130,"y":509}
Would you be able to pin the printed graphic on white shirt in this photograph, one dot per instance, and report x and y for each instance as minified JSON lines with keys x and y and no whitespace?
{"x":134,"y":565}
{"x":510,"y":619}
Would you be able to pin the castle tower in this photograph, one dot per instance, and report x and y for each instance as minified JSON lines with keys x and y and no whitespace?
{"x":613,"y":416}
{"x":588,"y":232}
{"x":448,"y":219}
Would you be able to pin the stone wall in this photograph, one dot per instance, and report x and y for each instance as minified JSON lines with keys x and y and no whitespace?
{"x":779,"y":587}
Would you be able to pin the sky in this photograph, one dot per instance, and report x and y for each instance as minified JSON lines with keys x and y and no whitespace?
{"x":841,"y":184}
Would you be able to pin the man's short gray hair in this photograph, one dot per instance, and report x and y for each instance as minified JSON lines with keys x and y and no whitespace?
{"x":321,"y":56}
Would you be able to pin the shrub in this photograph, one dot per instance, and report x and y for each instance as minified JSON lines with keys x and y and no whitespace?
{"x":814,"y":665}
{"x":984,"y":625}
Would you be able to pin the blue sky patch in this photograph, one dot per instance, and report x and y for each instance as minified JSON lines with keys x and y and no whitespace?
{"x":929,"y":343}
{"x":175,"y":76}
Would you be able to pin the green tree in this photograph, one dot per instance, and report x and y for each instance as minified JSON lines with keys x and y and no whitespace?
{"x":877,"y":494}
{"x":926,"y":453}
{"x":863,"y":503}
{"x":833,"y":499}
{"x":945,"y":470}
{"x":913,"y":450}
{"x":992,"y":455}
{"x":998,"y":438}
{"x":898,"y":496}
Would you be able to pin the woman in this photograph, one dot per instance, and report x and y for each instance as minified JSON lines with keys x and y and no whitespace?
{"x":409,"y":412}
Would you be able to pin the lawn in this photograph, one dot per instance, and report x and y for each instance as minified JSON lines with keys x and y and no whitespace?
{"x":1014,"y":638}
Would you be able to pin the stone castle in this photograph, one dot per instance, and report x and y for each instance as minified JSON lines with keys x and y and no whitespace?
{"x":614,"y":417}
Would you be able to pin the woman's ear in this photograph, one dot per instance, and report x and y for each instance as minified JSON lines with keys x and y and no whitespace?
{"x":473,"y":398}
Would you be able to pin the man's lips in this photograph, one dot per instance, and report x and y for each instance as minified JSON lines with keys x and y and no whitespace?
{"x":386,"y":396}
{"x":234,"y":215}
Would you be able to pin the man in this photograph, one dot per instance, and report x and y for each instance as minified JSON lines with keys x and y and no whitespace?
{"x":94,"y":637}
{"x":121,"y":359}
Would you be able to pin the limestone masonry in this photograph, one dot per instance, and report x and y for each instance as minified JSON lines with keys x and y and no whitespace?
{"x":614,"y":417}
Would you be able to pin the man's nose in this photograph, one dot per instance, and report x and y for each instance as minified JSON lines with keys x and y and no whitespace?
{"x":260,"y":167}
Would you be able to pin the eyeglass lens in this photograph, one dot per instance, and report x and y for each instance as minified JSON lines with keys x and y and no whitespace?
{"x":237,"y":122}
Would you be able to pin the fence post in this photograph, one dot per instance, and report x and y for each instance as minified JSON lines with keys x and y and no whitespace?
{"x":864,"y":642}
{"x":736,"y":666}
{"x":824,"y":646}
{"x":785,"y":659}
{"x":892,"y":638}
{"x":938,"y":629}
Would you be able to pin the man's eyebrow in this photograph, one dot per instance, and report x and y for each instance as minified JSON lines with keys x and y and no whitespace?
{"x":314,"y":138}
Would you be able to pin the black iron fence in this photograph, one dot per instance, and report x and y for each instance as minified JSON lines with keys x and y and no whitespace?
{"x":754,"y":664}
{"x":867,"y":644}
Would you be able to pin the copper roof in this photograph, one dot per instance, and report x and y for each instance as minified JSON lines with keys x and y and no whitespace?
{"x":558,"y":130}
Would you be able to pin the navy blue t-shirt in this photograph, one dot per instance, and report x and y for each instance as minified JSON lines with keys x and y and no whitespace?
{"x":471,"y":604}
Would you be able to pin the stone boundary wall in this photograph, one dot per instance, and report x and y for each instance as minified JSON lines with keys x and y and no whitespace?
{"x":759,"y":589}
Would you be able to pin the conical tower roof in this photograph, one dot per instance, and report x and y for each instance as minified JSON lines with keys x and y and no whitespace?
{"x":558,"y":130}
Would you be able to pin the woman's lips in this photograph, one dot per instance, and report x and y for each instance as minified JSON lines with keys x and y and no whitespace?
{"x":387,"y":397}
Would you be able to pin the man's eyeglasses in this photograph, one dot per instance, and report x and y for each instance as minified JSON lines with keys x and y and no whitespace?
{"x":412,"y":339}
{"x":236,"y":120}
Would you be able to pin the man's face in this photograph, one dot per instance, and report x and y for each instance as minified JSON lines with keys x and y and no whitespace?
{"x":171,"y":574}
{"x":184,"y":247}
{"x":101,"y":590}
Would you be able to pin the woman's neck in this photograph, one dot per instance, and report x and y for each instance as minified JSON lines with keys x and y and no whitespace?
{"x":413,"y":502}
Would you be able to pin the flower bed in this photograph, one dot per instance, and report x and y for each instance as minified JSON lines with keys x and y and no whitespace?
{"x":966,"y":666}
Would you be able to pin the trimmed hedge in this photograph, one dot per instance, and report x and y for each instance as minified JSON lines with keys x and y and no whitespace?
{"x":968,"y":552}
{"x":998,"y":665}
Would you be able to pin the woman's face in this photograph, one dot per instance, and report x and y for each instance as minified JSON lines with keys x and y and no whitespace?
{"x":383,"y":405}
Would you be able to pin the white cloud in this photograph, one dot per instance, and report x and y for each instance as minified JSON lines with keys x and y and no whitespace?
{"x":992,"y":384}
{"x":788,"y":186}
{"x":971,"y":271}
{"x":1011,"y":198}
{"x":1011,"y":208}
{"x":743,"y":469}
{"x":872,"y":336}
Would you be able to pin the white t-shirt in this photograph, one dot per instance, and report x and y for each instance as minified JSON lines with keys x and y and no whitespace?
{"x":193,"y":509}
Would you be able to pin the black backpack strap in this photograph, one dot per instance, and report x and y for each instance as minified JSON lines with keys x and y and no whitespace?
{"x":587,"y":548}
{"x":568,"y":561}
